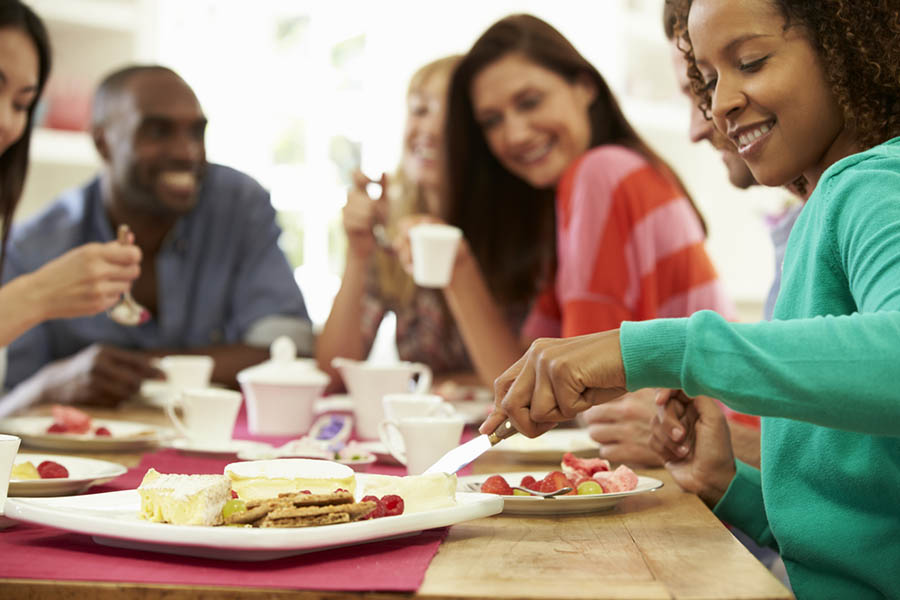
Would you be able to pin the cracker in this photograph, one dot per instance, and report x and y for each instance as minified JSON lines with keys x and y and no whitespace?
{"x":313,"y":521}
{"x":355,"y":510}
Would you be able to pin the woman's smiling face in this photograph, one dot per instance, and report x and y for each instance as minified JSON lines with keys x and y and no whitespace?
{"x":535,"y":122}
{"x":769,"y":92}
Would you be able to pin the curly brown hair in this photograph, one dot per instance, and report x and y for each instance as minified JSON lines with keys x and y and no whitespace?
{"x":858,"y":43}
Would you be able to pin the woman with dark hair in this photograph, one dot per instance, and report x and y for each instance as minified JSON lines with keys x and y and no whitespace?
{"x":86,"y":280}
{"x":561,"y":203}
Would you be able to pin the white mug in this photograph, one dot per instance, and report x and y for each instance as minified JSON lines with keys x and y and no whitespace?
{"x":425,"y":440}
{"x":9,"y":446}
{"x":209,"y":414}
{"x":433,"y":247}
{"x":368,"y":383}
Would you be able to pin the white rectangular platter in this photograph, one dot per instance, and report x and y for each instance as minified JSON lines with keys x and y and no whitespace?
{"x":112,"y":519}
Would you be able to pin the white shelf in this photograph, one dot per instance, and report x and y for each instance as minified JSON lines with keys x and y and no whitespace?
{"x":74,"y":148}
{"x":95,"y":14}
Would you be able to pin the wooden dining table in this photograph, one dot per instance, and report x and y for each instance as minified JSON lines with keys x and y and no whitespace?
{"x":664,"y":544}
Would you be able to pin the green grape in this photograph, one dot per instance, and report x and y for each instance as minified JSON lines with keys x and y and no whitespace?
{"x":520,"y":493}
{"x":589,"y":487}
{"x":235,"y":505}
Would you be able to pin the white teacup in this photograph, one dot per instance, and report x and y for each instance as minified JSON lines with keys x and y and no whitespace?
{"x":185,"y":371}
{"x":433,"y":247}
{"x":209,"y":414}
{"x":9,"y":446}
{"x":368,"y":383}
{"x":400,"y":406}
{"x":425,"y":440}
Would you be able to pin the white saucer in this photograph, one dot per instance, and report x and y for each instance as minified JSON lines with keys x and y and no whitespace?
{"x":231,"y":447}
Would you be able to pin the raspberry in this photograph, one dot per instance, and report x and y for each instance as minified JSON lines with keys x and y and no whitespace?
{"x":529,"y":482}
{"x":102,"y":432}
{"x":57,"y":428}
{"x":393,"y":505}
{"x":377,"y":512}
{"x":233,"y":494}
{"x":52,"y":470}
{"x":495,"y":484}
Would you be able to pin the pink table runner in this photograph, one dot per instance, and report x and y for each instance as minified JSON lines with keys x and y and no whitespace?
{"x":34,"y":552}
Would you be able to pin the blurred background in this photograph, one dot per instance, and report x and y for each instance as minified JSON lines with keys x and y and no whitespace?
{"x":289,"y":85}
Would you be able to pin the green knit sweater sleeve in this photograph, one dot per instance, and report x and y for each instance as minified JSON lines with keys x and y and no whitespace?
{"x":742,"y":505}
{"x":833,"y":371}
{"x":833,"y":362}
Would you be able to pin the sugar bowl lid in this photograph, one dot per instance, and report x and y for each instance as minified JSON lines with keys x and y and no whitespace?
{"x":284,"y":368}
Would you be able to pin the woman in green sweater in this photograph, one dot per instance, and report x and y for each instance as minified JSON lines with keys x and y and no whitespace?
{"x":808,"y":92}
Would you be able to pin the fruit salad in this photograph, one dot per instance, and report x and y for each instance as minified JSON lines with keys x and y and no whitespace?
{"x":584,"y":475}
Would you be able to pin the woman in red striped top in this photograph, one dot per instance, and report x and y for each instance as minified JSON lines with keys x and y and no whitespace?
{"x":529,"y":121}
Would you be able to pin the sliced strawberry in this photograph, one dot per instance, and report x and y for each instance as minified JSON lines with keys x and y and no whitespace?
{"x":57,"y":428}
{"x":76,"y":421}
{"x":393,"y":505}
{"x":52,"y":470}
{"x":102,"y":432}
{"x":529,"y":482}
{"x":555,"y":480}
{"x":495,"y":484}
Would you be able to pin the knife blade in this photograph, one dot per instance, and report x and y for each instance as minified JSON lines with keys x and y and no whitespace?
{"x":459,"y":457}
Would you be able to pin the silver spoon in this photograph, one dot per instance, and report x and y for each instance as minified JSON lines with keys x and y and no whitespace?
{"x":127,"y":311}
{"x":476,"y":487}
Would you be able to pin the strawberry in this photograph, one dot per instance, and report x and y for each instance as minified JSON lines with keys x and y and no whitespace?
{"x":529,"y":482}
{"x":57,"y":428}
{"x":555,"y":480}
{"x":102,"y":432}
{"x":495,"y":484}
{"x":393,"y":505}
{"x":52,"y":470}
{"x":573,"y":466}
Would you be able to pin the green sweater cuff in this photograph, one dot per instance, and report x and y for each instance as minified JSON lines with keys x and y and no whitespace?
{"x":653,"y":352}
{"x":742,"y":505}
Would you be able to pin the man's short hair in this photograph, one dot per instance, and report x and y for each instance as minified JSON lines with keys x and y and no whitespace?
{"x":113,"y":85}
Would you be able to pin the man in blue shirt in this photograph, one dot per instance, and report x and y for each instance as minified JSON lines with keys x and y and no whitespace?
{"x":212,"y":275}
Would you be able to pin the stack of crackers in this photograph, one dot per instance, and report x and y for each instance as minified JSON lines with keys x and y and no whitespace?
{"x":301,"y":510}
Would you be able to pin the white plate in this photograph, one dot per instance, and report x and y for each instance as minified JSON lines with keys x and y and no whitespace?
{"x":560,"y":505}
{"x":83,"y":473}
{"x":548,"y":447}
{"x":126,"y":435}
{"x":269,"y":452}
{"x":230,"y":447}
{"x":112,"y":520}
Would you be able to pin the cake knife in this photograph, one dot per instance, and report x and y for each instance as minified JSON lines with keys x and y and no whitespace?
{"x":459,"y":457}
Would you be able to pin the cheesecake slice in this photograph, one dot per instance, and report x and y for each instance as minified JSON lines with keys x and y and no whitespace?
{"x":183,"y":499}
{"x":262,"y":479}
{"x":419,"y":492}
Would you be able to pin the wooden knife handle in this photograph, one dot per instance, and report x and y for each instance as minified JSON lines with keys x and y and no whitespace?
{"x":505,"y":430}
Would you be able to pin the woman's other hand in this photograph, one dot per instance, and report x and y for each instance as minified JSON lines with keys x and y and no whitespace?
{"x":361,"y":213}
{"x":691,"y":436}
{"x":622,"y":428}
{"x":557,"y":379}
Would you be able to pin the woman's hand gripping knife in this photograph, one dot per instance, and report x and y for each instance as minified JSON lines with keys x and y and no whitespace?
{"x":555,"y":380}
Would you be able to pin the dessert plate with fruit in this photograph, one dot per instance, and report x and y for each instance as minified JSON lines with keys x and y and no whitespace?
{"x":51,"y":475}
{"x":595,"y":487}
{"x":71,"y":429}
